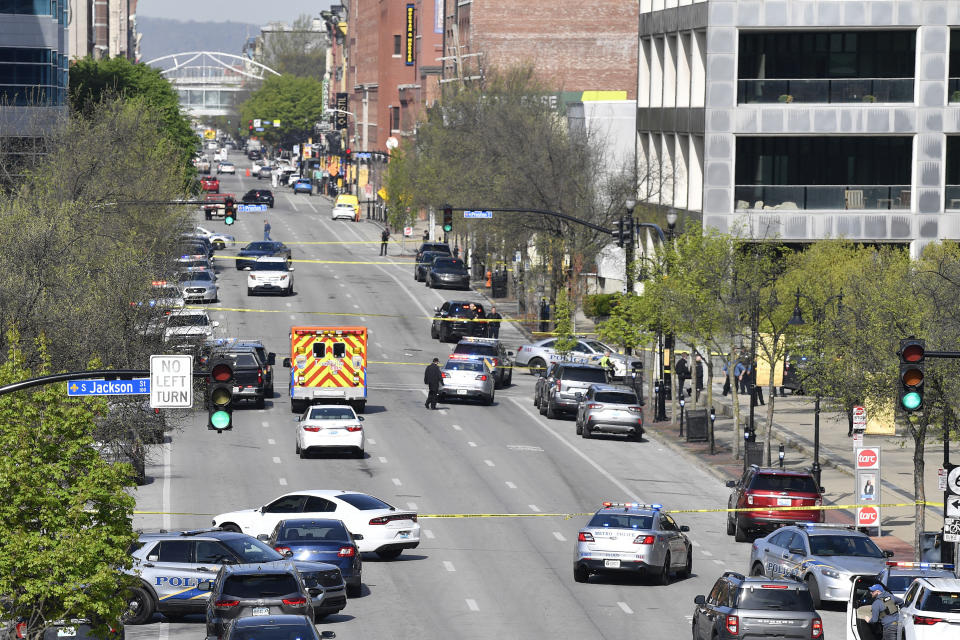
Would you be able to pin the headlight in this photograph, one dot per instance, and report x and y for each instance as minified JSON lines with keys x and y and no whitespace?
{"x":830,"y":573}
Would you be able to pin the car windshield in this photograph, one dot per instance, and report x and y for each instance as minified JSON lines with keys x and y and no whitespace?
{"x":188,"y":321}
{"x":270,"y":266}
{"x":584,"y":375}
{"x":448,"y":264}
{"x":615,"y":397}
{"x":621,"y":521}
{"x":270,"y":585}
{"x":332,"y":413}
{"x":463,"y":365}
{"x":833,"y":545}
{"x":194,"y":276}
{"x":778,"y":599}
{"x":941,"y":601}
{"x":244,"y":359}
{"x":898,"y":583}
{"x":251,"y":550}
{"x":302,"y":631}
{"x":329,"y":531}
{"x":776,"y":482}
{"x":259,"y":246}
{"x":476,"y":349}
{"x":428,"y":256}
{"x":363,"y":502}
{"x":599,"y":346}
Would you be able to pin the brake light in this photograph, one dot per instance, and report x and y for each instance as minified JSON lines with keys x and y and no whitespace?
{"x":773,"y":586}
{"x":635,"y":409}
{"x":585,"y":536}
{"x":482,"y":376}
{"x":444,"y":374}
{"x":347,"y":552}
{"x":594,"y":406}
{"x":380,"y":520}
{"x":295,"y":602}
{"x":733,"y":624}
{"x":354,"y":428}
{"x":816,"y":629}
{"x":312,"y":429}
{"x":643,"y":540}
{"x":558,"y":385}
{"x":282,"y":549}
{"x":495,"y":361}
{"x":926,"y":621}
{"x":226,"y":604}
{"x":259,"y":376}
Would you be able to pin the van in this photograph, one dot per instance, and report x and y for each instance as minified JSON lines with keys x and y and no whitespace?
{"x":347,"y":198}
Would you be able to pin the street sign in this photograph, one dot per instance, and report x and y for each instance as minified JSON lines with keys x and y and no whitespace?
{"x":171,"y":382}
{"x":256,"y":123}
{"x":108,"y":387}
{"x":251,"y":208}
{"x":408,"y":231}
{"x":953,"y":481}
{"x":276,"y":123}
{"x":868,"y":517}
{"x":951,"y":529}
{"x":953,"y":508}
{"x":859,"y":418}
{"x":942,"y":479}
{"x":868,"y":458}
{"x":259,"y":128}
{"x":478,"y":214}
{"x":857,"y":440}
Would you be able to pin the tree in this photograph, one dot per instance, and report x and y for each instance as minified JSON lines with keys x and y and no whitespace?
{"x":563,"y":327}
{"x":65,"y":518}
{"x":299,"y":51}
{"x":295,"y":101}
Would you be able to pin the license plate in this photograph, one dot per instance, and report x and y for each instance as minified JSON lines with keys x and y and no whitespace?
{"x":333,"y":432}
{"x":784,"y":502}
{"x":461,"y":392}
{"x":404,"y":534}
{"x":261,"y":611}
{"x":611,"y":564}
{"x":66,"y":632}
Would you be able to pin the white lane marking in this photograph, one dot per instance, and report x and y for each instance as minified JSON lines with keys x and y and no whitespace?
{"x":289,"y":304}
{"x":349,"y":295}
{"x":165,"y":494}
{"x":292,"y":204}
{"x":719,"y":562}
{"x":489,"y":463}
{"x":342,"y":285}
{"x":356,"y":306}
{"x":276,"y":460}
{"x":310,"y":204}
{"x":293,"y":317}
{"x":448,"y":565}
{"x":472,"y":444}
{"x":379,"y":345}
{"x":371,"y":441}
{"x":412,"y":506}
{"x":695,"y":543}
{"x":510,"y":485}
{"x":429,"y":534}
{"x":283,"y":482}
{"x":559,"y":536}
{"x":396,"y":481}
{"x":457,"y":427}
{"x":606,"y":474}
{"x":534,"y":508}
{"x":626,"y":608}
{"x":706,"y":553}
{"x":472,"y":605}
{"x":382,"y":460}
{"x":265,"y":423}
{"x":271,"y":441}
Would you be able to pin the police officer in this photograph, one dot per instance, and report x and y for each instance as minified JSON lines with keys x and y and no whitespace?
{"x":607,"y":364}
{"x":432,"y":377}
{"x":493,"y":327}
{"x":885,"y":610}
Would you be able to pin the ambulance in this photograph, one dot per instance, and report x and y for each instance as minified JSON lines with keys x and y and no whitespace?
{"x":327,"y":365}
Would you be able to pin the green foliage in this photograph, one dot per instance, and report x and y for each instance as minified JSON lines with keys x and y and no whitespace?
{"x":632,"y":318}
{"x":299,"y":51}
{"x":297,"y":102}
{"x":599,"y":305}
{"x":563,"y":327}
{"x":65,"y":518}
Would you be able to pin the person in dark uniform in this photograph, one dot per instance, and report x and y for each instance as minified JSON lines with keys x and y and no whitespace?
{"x":493,"y":327}
{"x":384,"y":239}
{"x":432,"y":378}
{"x":885,"y":610}
{"x":682,"y":369}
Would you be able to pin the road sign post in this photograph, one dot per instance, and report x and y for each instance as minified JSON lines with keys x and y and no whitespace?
{"x":867,"y":487}
{"x":171,"y":381}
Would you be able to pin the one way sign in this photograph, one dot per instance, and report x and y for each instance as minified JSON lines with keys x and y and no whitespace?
{"x":953,"y":507}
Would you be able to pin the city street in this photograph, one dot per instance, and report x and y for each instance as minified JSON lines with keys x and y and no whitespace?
{"x":476,"y":577}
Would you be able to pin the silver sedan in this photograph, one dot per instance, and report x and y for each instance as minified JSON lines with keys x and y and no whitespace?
{"x":467,"y":379}
{"x":539,"y":354}
{"x":198,"y":285}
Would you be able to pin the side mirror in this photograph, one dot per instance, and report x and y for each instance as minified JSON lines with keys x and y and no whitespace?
{"x":699,"y":600}
{"x":684,"y":528}
{"x":227,"y":561}
{"x":436,"y":309}
{"x":797,"y":551}
{"x":263,"y":537}
{"x":888,"y":554}
{"x":205,"y":585}
{"x":287,"y":554}
{"x":286,"y":362}
{"x":215,"y":324}
{"x":731,"y":483}
{"x":360,"y":418}
{"x":271,"y":358}
{"x":357,"y":536}
{"x":510,"y":353}
{"x":327,"y":635}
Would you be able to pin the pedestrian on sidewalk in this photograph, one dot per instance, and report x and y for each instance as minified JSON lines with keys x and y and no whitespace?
{"x":384,"y":239}
{"x":426,"y":235}
{"x":740,"y":376}
{"x":493,"y":327}
{"x":699,"y":374}
{"x":266,"y":231}
{"x":456,"y":251}
{"x":683,"y":373}
{"x":885,"y":611}
{"x":432,"y":377}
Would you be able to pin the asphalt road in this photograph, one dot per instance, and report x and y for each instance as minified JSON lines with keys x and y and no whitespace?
{"x":470,"y":577}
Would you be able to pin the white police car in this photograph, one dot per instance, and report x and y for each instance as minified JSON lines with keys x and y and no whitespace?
{"x":633,"y":538}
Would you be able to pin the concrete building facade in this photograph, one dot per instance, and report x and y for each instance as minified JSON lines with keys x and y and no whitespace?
{"x":104,"y":29}
{"x":803,"y":119}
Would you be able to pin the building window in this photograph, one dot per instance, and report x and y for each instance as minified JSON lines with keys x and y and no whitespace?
{"x":954,"y":89}
{"x":397,"y":45}
{"x":29,"y":7}
{"x":850,"y":173}
{"x":31,"y":77}
{"x":395,"y":118}
{"x":826,"y":66}
{"x":953,"y":173}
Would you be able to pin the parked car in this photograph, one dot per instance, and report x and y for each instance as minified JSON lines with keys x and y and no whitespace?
{"x":559,"y":390}
{"x":424,"y":262}
{"x":771,"y":487}
{"x":610,"y":409}
{"x":321,"y":540}
{"x":270,"y":274}
{"x":282,"y":627}
{"x":439,"y":247}
{"x":454,"y":320}
{"x":210,"y":183}
{"x":264,"y":172}
{"x":330,"y":428}
{"x":492,"y":353}
{"x":537,"y":355}
{"x":241,"y":591}
{"x":448,"y":272}
{"x":467,"y":378}
{"x":227,"y":167}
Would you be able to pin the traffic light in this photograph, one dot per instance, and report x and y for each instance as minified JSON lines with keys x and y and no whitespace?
{"x":619,"y":228}
{"x":628,"y":230}
{"x":251,"y":125}
{"x":447,"y":218}
{"x":911,"y":354}
{"x":347,"y":155}
{"x":229,"y":211}
{"x":220,"y":394}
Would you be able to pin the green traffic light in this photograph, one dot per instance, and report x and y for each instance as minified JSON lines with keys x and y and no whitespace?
{"x":220,"y":419}
{"x":228,"y":219}
{"x":448,"y":228}
{"x":911,"y":401}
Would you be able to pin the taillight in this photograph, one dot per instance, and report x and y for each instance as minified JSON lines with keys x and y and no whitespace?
{"x":253,"y":276}
{"x":749,"y":499}
{"x":816,"y":629}
{"x":635,"y":409}
{"x":585,"y":536}
{"x":495,"y":361}
{"x":924,"y":620}
{"x":558,"y":385}
{"x":226,"y":604}
{"x":594,"y":406}
{"x":259,"y":376}
{"x":643,"y":540}
{"x":295,"y":602}
{"x":444,"y":374}
{"x":355,"y":427}
{"x":282,"y":549}
{"x":482,"y":376}
{"x":733,"y":624}
{"x":312,"y":429}
{"x":380,"y":520}
{"x":347,"y":552}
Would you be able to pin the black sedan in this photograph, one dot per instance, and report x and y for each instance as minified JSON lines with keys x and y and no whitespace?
{"x":258,"y":196}
{"x":322,"y":540}
{"x":424,"y":262}
{"x":448,"y":272}
{"x":249,"y":254}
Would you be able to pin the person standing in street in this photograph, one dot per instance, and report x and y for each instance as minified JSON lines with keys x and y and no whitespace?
{"x":683,"y":373}
{"x":432,"y":377}
{"x":266,"y":231}
{"x":426,"y":235}
{"x":384,"y":239}
{"x":493,"y":327}
{"x":885,"y":610}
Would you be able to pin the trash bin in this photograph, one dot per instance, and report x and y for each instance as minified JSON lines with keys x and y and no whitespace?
{"x":754,"y":453}
{"x":697,"y":422}
{"x":499,"y":282}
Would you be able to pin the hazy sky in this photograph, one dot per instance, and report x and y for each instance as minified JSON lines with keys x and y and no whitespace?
{"x":250,"y":11}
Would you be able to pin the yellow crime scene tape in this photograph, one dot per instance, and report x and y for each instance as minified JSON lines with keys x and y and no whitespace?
{"x":355,"y":314}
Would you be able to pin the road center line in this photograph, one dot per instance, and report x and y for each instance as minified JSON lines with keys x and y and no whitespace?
{"x":472,"y":605}
{"x":276,"y":460}
{"x":448,"y":565}
{"x":626,"y":608}
{"x":397,"y":482}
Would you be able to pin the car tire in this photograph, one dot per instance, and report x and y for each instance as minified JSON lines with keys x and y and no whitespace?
{"x":580,"y":573}
{"x":261,"y":402}
{"x":140,"y":606}
{"x":297,"y":450}
{"x":429,"y":283}
{"x":543,"y":407}
{"x":389,"y":554}
{"x":488,"y":401}
{"x":637,"y":436}
{"x":354,"y":590}
{"x":297,"y":406}
{"x":360,"y":406}
{"x":579,"y":428}
{"x":303,"y":454}
{"x":757,"y":570}
{"x":433,"y":332}
{"x":731,"y":526}
{"x":585,"y":432}
{"x":537,"y":365}
{"x":359,"y":453}
{"x":739,"y":533}
{"x":510,"y":378}
{"x":229,"y":526}
{"x":687,"y":570}
{"x":814,"y":590}
{"x":551,"y":412}
{"x":664,"y":577}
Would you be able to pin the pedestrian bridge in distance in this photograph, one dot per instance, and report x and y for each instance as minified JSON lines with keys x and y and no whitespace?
{"x":209,"y":82}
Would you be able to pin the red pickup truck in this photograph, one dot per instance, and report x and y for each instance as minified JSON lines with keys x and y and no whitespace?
{"x":213,"y":204}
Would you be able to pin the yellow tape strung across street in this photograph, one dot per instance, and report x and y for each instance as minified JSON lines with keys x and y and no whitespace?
{"x":345,"y":314}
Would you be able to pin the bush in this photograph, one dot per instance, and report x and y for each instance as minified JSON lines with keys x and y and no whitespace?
{"x":599,"y":305}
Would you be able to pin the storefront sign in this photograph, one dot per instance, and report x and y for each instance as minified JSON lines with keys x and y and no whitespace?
{"x":411,"y":34}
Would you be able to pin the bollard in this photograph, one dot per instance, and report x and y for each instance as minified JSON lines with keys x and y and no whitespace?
{"x":682,"y":403}
{"x":780,"y":454}
{"x":713,"y":418}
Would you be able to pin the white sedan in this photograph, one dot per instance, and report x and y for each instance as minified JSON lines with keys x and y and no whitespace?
{"x":375,"y":525}
{"x":345,"y":211}
{"x":226,"y":167}
{"x":217,"y":239}
{"x":329,"y":427}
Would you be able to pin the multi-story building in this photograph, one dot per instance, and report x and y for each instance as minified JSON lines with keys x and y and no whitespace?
{"x":803,"y":119}
{"x":104,"y":29}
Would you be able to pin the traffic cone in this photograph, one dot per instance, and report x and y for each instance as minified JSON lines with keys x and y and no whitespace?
{"x":489,"y":275}
{"x":248,"y":173}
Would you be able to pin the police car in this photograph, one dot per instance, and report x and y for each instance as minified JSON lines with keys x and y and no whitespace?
{"x":170,"y":567}
{"x":897,"y":576}
{"x":633,"y":538}
{"x":823,"y":556}
{"x":924,"y":574}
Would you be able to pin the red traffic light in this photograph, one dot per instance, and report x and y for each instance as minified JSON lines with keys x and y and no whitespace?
{"x":221,"y":372}
{"x":348,"y":151}
{"x":912,"y":353}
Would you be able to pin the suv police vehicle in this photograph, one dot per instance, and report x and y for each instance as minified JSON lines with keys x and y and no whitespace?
{"x":823,"y":556}
{"x":755,"y":607}
{"x":492,"y":352}
{"x":627,"y":537}
{"x":171,"y":565}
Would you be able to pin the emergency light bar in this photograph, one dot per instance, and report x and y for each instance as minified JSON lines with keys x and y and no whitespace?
{"x":918,"y":565}
{"x":823,"y":525}
{"x":632,"y":505}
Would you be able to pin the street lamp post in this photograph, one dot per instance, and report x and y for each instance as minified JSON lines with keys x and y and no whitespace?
{"x":671,"y":222}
